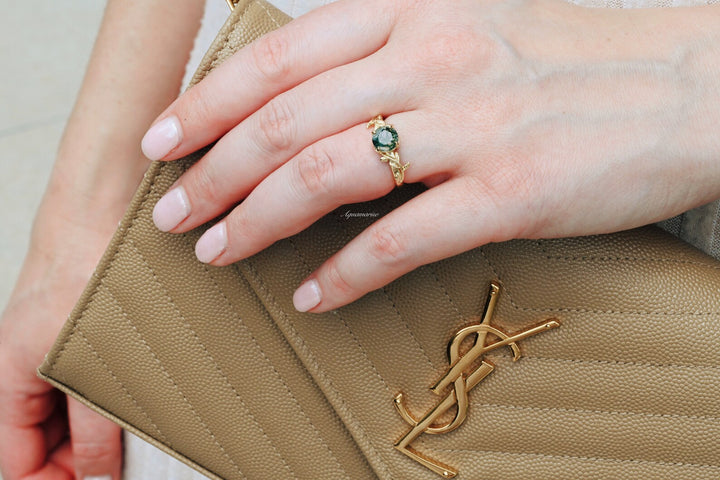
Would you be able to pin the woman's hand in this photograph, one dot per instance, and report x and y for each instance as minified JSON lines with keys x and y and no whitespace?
{"x":44,"y":435}
{"x":527,"y":118}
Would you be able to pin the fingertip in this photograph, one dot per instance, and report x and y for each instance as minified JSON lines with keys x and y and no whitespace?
{"x":171,"y":210}
{"x":212,"y":244}
{"x":162,"y":138}
{"x":307,"y":296}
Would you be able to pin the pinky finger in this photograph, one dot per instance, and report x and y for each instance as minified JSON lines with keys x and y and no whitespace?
{"x":437,"y":224}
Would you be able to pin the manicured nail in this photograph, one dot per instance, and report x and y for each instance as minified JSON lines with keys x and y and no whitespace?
{"x":212,"y":244}
{"x":171,"y":209}
{"x":307,"y":296}
{"x":162,"y":138}
{"x":98,"y":477}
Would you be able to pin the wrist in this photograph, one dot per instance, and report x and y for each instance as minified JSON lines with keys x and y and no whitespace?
{"x":61,"y":251}
{"x":692,"y":136}
{"x":679,"y":50}
{"x":668,"y":61}
{"x":77,"y":220}
{"x":100,"y":163}
{"x":697,"y":133}
{"x":632,"y":91}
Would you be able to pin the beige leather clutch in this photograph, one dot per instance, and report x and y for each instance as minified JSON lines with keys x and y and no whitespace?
{"x":583,"y":358}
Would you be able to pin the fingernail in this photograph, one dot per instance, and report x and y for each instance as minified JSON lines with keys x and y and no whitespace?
{"x":212,"y":244}
{"x":162,"y":138}
{"x":98,"y":477}
{"x":171,"y":209}
{"x":307,"y":296}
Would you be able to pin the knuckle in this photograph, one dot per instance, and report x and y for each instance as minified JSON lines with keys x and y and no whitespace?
{"x":462,"y":49}
{"x":510,"y":188}
{"x":276,"y":126}
{"x":271,"y":57}
{"x":87,"y":451}
{"x":243,"y":231}
{"x":499,"y":188}
{"x":200,"y":184}
{"x":515,"y":181}
{"x":479,"y":190}
{"x":388,"y":247}
{"x":336,"y":279}
{"x":446,"y":49}
{"x":197,"y":104}
{"x":314,"y":171}
{"x":21,"y":408}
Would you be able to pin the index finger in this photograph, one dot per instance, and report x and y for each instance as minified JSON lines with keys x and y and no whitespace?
{"x":328,"y":37}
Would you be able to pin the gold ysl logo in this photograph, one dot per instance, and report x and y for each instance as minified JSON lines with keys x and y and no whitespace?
{"x":461,"y":381}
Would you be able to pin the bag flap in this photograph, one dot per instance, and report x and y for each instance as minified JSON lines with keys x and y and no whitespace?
{"x":215,"y":366}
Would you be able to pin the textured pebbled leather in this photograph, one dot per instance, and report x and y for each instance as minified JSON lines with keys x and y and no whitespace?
{"x":215,"y":366}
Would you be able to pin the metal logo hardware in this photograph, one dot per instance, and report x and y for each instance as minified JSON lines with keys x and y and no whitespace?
{"x":461,"y":382}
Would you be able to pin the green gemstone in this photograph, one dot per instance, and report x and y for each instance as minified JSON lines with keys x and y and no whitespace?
{"x":385,"y":139}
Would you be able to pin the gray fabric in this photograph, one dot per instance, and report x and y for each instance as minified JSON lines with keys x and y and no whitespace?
{"x":699,"y":227}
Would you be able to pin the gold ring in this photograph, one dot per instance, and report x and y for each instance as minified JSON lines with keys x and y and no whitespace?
{"x":385,"y":141}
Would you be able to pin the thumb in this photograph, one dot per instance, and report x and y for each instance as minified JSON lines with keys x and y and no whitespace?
{"x":96,"y":444}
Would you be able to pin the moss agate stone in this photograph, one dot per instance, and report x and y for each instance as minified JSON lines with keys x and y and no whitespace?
{"x":385,"y":139}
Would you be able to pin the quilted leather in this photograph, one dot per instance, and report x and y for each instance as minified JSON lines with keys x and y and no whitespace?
{"x":216,"y":367}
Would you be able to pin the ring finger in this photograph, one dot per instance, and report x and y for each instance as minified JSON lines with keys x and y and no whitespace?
{"x":338,"y":170}
{"x":318,"y":108}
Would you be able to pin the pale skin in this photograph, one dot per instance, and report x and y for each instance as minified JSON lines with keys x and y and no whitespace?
{"x":135,"y":71}
{"x":528,"y":118}
{"x":525,"y":118}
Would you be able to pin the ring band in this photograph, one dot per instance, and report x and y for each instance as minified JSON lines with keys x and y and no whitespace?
{"x":385,"y":141}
